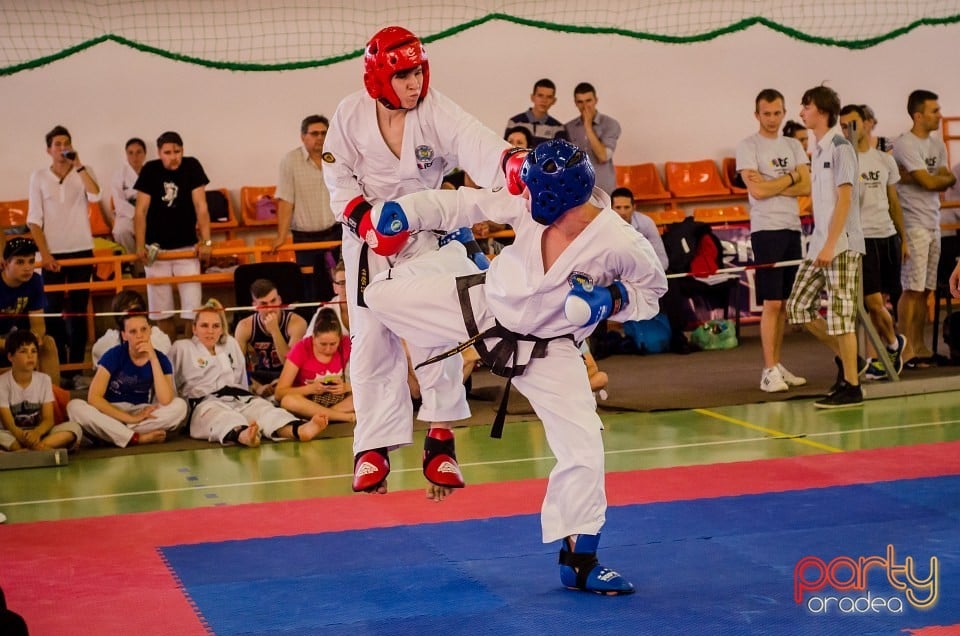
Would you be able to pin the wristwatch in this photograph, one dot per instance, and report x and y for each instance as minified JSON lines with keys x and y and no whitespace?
{"x":208,"y":243}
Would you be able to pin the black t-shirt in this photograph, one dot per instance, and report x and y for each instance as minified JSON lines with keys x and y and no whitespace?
{"x":171,"y":217}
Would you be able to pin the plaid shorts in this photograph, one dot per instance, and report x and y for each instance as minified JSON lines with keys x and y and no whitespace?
{"x":841,"y":281}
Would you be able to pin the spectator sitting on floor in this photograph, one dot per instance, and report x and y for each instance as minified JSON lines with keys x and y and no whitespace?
{"x":132,"y":399}
{"x":314,"y":377}
{"x":26,"y":401}
{"x":339,"y":302}
{"x":127,"y":301}
{"x":268,"y":335}
{"x":211,"y":374}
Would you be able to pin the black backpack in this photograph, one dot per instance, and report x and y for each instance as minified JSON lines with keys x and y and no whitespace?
{"x":682,"y":242}
{"x":218,"y":206}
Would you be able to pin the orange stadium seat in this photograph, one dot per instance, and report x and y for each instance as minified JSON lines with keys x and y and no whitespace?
{"x":98,"y":225}
{"x":725,"y":214}
{"x":13,"y":213}
{"x":249,"y":195}
{"x":281,"y":256}
{"x":666,"y":217}
{"x":694,"y":179}
{"x":728,"y":170}
{"x":106,"y":270}
{"x":228,"y":260}
{"x":643,"y":180}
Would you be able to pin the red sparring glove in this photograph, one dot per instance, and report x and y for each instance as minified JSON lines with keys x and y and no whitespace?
{"x":510,"y":162}
{"x":358,"y":218}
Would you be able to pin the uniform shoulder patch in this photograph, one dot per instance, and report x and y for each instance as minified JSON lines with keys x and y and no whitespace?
{"x":582,"y":279}
{"x":328,"y":157}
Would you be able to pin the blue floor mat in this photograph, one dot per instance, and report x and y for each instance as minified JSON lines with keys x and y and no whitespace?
{"x":710,"y":566}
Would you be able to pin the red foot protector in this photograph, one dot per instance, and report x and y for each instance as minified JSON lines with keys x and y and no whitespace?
{"x":440,"y":465}
{"x":370,"y":469}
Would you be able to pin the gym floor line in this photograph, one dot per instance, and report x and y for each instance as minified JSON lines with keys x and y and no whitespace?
{"x":634,"y":441}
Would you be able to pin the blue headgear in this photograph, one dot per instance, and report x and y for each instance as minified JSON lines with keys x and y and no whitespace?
{"x":559,"y":176}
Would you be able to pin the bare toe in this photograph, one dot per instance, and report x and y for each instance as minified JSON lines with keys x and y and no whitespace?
{"x":250,"y":436}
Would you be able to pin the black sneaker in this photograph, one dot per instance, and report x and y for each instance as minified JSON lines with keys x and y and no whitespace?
{"x":845,"y":395}
{"x":862,"y":366}
{"x":839,"y":380}
{"x":897,"y":355}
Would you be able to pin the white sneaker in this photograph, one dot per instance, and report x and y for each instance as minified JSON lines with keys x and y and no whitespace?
{"x":772,"y":381}
{"x":789,"y":378}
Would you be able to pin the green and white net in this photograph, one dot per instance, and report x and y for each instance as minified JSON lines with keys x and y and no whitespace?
{"x":257,"y":35}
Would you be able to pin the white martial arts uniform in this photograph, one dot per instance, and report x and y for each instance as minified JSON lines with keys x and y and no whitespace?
{"x":438,"y":136}
{"x":166,"y":417}
{"x":199,"y":375}
{"x":424,"y":308}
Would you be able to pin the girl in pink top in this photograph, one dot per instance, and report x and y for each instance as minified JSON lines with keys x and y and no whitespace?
{"x":314,"y":378}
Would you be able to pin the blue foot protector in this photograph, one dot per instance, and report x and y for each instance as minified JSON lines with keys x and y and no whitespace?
{"x":579,"y":570}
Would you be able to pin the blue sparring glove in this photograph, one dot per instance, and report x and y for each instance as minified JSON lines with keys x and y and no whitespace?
{"x":393,"y":220}
{"x":587,"y":305}
{"x":474,"y":252}
{"x":390,"y":233}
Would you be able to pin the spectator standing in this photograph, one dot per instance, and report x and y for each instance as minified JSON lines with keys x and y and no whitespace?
{"x":123,"y":196}
{"x":171,"y":205}
{"x":775,"y":170}
{"x":536,"y":120}
{"x":836,"y":247}
{"x":303,"y":207}
{"x":596,"y":134}
{"x":60,"y":224}
{"x":883,"y":233}
{"x":924,"y":174}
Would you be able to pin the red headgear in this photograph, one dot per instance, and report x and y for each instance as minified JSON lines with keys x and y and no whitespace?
{"x":388,"y":52}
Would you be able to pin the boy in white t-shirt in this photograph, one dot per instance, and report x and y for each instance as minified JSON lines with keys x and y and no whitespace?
{"x":26,"y":401}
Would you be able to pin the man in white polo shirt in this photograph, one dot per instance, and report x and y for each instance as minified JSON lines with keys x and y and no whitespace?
{"x":836,"y":248}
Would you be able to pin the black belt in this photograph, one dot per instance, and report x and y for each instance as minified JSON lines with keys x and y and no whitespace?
{"x":225,"y":391}
{"x":502,"y":357}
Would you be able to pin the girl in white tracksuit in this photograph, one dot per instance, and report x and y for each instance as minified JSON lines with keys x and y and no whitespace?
{"x":210,"y":371}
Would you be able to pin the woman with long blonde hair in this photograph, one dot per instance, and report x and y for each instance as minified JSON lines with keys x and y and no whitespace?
{"x":210,"y":371}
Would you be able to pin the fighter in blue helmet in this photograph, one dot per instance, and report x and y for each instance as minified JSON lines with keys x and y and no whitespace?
{"x":574,"y":262}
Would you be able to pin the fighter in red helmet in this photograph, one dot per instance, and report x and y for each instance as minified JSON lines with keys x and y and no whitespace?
{"x":396,"y":137}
